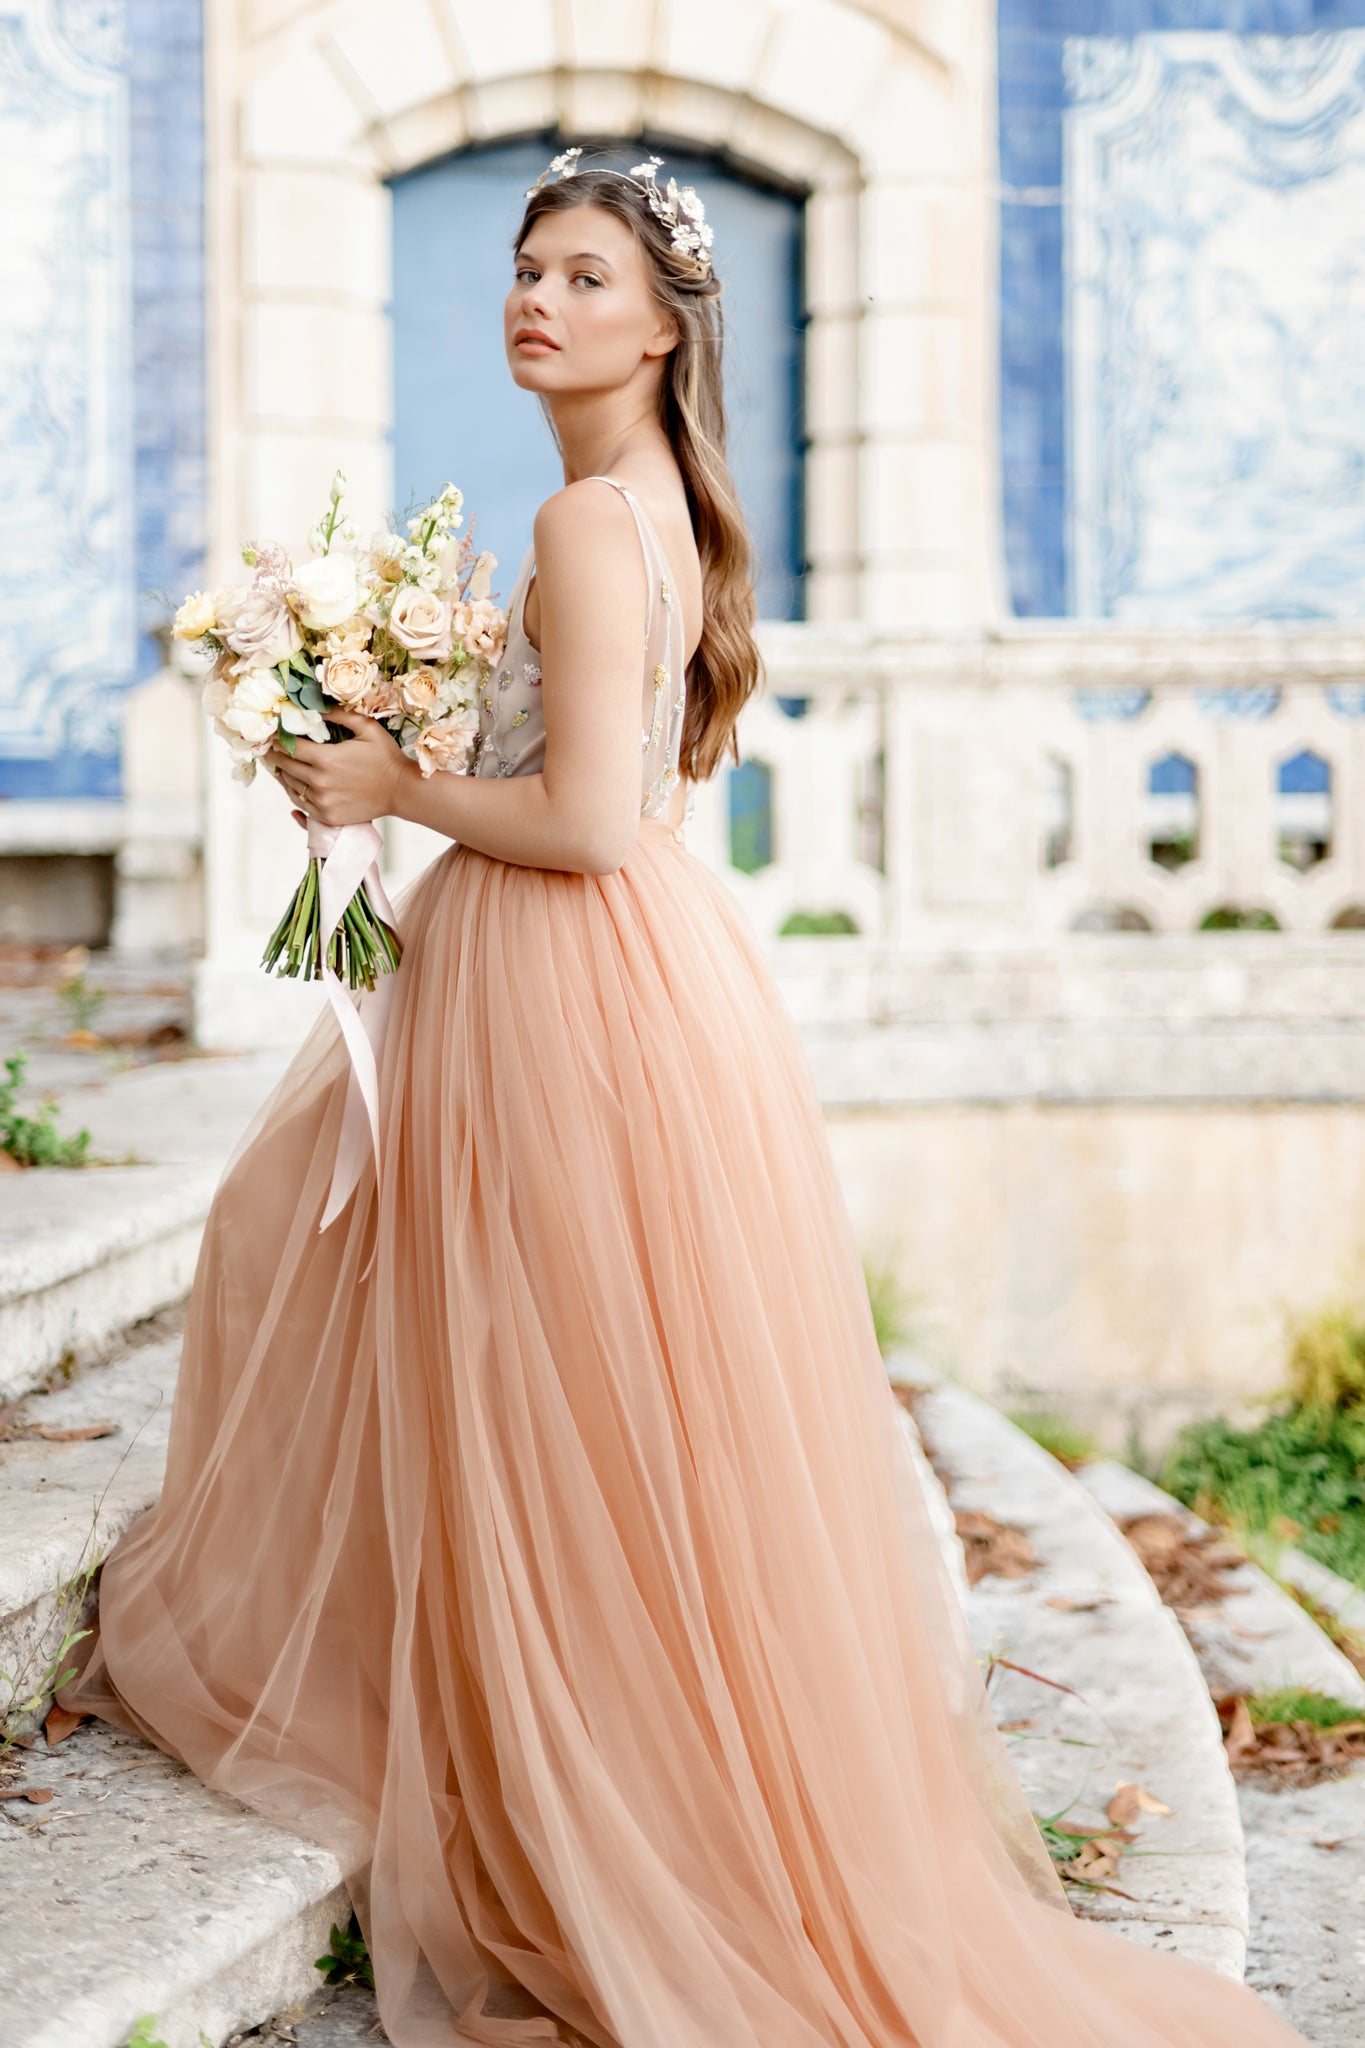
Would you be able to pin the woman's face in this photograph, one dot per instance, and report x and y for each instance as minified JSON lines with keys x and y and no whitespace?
{"x":580,"y":315}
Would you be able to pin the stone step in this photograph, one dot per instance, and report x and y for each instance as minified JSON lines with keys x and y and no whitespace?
{"x":139,"y":1891}
{"x":1088,"y":1617}
{"x":227,"y":1912}
{"x":1259,"y":1638}
{"x":136,"y":1889}
{"x":85,"y":1253}
{"x":1305,"y":1845}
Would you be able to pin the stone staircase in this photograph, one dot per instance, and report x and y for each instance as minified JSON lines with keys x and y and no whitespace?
{"x":135,"y":1890}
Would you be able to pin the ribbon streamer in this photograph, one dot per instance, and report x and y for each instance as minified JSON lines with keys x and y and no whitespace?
{"x":350,"y":861}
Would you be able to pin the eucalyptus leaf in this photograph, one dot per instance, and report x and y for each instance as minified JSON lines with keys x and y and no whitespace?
{"x":287,"y":740}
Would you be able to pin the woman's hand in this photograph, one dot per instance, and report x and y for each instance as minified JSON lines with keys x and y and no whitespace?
{"x":347,"y":783}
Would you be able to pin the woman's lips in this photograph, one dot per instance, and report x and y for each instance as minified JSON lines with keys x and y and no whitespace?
{"x":536,"y":345}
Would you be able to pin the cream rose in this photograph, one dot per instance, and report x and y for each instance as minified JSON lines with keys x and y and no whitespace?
{"x":482,"y":629}
{"x":258,"y":626}
{"x":348,"y":676}
{"x":420,"y":621}
{"x":446,"y":745}
{"x":330,"y":591}
{"x":197,"y":615}
{"x":420,"y":691}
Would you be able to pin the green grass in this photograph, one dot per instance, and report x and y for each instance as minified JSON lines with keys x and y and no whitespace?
{"x":1318,"y":1709}
{"x":814,"y":924}
{"x":1297,"y":1477}
{"x":35,"y":1140}
{"x":1071,"y":1446}
{"x":895,"y":1307}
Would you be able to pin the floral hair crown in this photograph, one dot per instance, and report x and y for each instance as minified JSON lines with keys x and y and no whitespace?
{"x":678,"y":207}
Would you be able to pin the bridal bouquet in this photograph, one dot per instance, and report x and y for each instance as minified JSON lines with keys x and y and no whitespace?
{"x":398,"y":627}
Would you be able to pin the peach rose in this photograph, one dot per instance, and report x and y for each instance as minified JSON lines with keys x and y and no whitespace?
{"x":446,"y":745}
{"x":420,"y":621}
{"x":419,"y":691}
{"x":348,"y":677}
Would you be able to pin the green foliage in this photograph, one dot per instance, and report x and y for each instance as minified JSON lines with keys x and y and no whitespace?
{"x":1327,"y":1358}
{"x":348,"y":1960}
{"x":894,"y":1306}
{"x":81,"y":1002}
{"x":35,"y":1140}
{"x":1318,"y":1709}
{"x":1230,"y":918}
{"x":814,"y":924}
{"x":143,"y":2036}
{"x":1069,"y":1445}
{"x":1299,"y":1475}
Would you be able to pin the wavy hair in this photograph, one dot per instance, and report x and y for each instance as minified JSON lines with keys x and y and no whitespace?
{"x":726,"y":668}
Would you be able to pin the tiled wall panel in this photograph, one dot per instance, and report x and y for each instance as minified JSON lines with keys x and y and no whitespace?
{"x":1088,"y":447}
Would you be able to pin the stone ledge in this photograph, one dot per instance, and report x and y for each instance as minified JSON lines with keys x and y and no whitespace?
{"x":1259,"y":1639}
{"x":1110,"y":1639}
{"x":62,"y":1504}
{"x":79,"y":1264}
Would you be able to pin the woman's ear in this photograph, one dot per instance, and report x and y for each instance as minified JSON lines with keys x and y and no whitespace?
{"x":665,"y":337}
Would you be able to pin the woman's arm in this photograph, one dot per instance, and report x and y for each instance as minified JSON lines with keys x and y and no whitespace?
{"x":582,"y":813}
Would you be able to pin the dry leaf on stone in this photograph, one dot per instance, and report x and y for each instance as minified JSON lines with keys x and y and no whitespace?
{"x":1065,"y":1604}
{"x":79,"y":1433}
{"x":59,"y":1724}
{"x":37,"y":1795}
{"x":1189,"y":1569}
{"x":991,"y":1547}
{"x":1131,"y":1800}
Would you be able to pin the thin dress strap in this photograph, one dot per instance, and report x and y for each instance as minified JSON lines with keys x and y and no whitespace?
{"x":662,"y":730}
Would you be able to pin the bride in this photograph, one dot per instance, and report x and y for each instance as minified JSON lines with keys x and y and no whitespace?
{"x":539,"y":1536}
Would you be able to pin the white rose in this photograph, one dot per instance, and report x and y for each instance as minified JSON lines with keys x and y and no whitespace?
{"x":257,"y":625}
{"x":420,"y":621}
{"x":331,"y":591}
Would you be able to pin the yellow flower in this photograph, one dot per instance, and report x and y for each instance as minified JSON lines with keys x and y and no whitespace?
{"x":197,"y":615}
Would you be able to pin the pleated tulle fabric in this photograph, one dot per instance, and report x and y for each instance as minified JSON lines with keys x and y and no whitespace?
{"x":567,"y":1574}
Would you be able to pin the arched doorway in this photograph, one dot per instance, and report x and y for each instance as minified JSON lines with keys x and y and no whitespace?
{"x":457,"y":413}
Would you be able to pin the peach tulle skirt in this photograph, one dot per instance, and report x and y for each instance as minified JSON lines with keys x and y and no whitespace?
{"x":567,"y":1573}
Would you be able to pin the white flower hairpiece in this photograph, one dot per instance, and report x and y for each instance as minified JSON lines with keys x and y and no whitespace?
{"x":678,"y":207}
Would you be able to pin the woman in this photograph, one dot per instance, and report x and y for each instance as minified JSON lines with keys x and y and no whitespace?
{"x":540,"y":1535}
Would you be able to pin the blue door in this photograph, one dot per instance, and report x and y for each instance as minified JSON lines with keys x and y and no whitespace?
{"x":457,"y":413}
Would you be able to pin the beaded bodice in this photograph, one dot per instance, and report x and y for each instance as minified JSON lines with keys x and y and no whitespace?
{"x":511,"y":725}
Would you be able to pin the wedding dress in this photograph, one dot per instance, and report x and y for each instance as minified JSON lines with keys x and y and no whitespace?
{"x":561,"y":1566}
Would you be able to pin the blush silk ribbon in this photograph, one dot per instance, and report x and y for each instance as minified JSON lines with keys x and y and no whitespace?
{"x":350,"y":861}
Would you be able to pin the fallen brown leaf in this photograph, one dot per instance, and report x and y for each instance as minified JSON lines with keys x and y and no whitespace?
{"x":993,"y":1548}
{"x":1066,"y":1605}
{"x":1288,"y":1753}
{"x":37,"y":1795}
{"x":59,"y":1724}
{"x":1190,"y":1571}
{"x":1129,"y":1801}
{"x":78,"y":1433}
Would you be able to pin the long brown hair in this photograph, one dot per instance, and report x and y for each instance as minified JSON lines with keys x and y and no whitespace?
{"x":726,"y":668}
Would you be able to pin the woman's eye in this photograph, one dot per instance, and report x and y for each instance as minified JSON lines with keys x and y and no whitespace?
{"x":586,"y":277}
{"x":519,"y":275}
